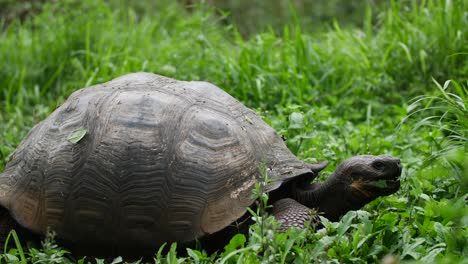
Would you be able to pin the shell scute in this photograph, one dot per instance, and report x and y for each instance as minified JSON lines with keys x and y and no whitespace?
{"x":162,"y":160}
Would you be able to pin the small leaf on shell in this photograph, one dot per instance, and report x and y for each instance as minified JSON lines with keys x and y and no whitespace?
{"x":248,"y":119}
{"x":77,"y":135}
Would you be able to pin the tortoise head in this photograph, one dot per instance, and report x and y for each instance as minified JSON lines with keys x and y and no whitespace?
{"x":368,"y":177}
{"x":356,"y":182}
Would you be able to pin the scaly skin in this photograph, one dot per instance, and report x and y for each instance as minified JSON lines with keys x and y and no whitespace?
{"x":356,"y":182}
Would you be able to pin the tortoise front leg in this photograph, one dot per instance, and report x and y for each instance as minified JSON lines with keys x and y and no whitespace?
{"x":291,"y":213}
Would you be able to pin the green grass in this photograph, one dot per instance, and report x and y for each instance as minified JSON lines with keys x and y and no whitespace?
{"x":379,"y":88}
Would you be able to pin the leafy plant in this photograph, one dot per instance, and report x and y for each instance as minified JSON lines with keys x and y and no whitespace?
{"x":332,"y":92}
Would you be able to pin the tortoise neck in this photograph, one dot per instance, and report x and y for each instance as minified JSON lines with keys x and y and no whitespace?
{"x":333,"y":202}
{"x":311,"y":195}
{"x":323,"y":190}
{"x":328,"y":197}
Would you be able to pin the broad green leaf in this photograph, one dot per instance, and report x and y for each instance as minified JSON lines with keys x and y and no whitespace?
{"x":12,"y":258}
{"x":296,"y":120}
{"x":321,"y":245}
{"x":117,"y":260}
{"x":345,"y":223}
{"x":380,"y":184}
{"x":237,"y":241}
{"x":194,"y":254}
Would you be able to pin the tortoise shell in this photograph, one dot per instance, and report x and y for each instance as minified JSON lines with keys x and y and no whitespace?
{"x":161,"y":160}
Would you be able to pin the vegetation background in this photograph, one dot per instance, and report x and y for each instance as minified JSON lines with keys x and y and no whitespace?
{"x":337,"y":78}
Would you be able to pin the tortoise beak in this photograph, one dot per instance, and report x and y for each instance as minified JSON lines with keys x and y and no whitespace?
{"x":376,"y":188}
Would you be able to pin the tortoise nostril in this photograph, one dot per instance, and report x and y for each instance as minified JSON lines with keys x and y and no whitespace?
{"x":398,"y":164}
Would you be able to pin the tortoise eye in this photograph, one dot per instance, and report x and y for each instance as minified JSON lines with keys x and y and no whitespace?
{"x":378,"y":165}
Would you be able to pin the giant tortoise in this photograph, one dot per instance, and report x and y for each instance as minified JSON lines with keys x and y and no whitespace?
{"x":145,"y":159}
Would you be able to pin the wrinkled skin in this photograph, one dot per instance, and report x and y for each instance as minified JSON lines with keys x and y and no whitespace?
{"x":356,"y":182}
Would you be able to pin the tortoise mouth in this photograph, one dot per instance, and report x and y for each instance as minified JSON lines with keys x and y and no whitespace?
{"x":379,"y":186}
{"x":391,"y":181}
{"x":370,"y":191}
